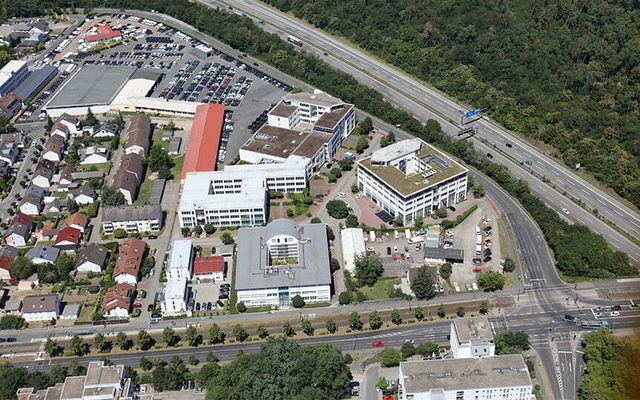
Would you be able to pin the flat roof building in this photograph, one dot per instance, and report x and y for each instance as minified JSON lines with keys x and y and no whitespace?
{"x":174,"y":297}
{"x":352,"y":246}
{"x":180,"y":260}
{"x":289,"y":176}
{"x":204,"y":140}
{"x":471,"y":337}
{"x":492,"y":378}
{"x":92,"y":86}
{"x":38,"y":79}
{"x":411,"y":178}
{"x":11,"y":75}
{"x":281,"y":260}
{"x":221,"y":198}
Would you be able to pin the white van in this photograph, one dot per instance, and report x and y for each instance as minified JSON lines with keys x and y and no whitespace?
{"x":477,"y":230}
{"x":396,"y":235}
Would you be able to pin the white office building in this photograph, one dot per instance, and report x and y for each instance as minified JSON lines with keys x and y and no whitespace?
{"x":223,"y":198}
{"x":290,"y":176}
{"x":490,"y":378}
{"x":411,"y":179}
{"x":11,"y":75}
{"x":180,"y":260}
{"x":174,"y":300}
{"x":472,"y":337}
{"x":281,"y":260}
{"x":352,"y":240}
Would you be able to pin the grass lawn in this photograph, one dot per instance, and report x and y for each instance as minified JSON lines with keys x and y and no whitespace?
{"x":381,"y":289}
{"x":85,"y":314}
{"x":98,"y":167}
{"x":177,"y":168}
{"x":145,"y":191}
{"x":157,"y":139}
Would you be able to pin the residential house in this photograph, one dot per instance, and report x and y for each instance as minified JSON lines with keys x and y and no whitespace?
{"x":138,"y":135}
{"x":43,"y":174}
{"x":65,"y":126}
{"x":46,"y":232}
{"x":93,"y":155}
{"x":208,"y":269}
{"x":66,"y":178}
{"x":25,"y":34}
{"x":117,"y":300}
{"x":77,"y":220}
{"x":54,"y":148}
{"x":32,"y":201}
{"x":68,"y":238}
{"x":10,"y":104}
{"x":41,"y":254}
{"x":40,"y":307}
{"x":84,"y":195}
{"x":130,"y":256}
{"x":8,"y":255}
{"x":22,"y":219}
{"x":106,"y":130}
{"x":92,"y":258}
{"x":52,"y":206}
{"x":9,"y":150}
{"x":18,"y":235}
{"x":129,"y":176}
{"x":133,"y":219}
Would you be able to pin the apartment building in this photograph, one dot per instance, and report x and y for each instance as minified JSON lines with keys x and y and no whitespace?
{"x":411,"y":179}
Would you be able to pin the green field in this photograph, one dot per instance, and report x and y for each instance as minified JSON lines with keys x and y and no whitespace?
{"x":380,"y":290}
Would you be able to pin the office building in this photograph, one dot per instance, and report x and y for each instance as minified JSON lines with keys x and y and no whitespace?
{"x":491,"y":378}
{"x":174,"y":299}
{"x":281,"y":260}
{"x":180,"y":260}
{"x":471,"y":337}
{"x":411,"y":179}
{"x":223,"y":199}
{"x":11,"y":75}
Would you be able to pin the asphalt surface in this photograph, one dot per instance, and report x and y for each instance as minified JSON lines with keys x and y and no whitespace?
{"x":425,"y":102}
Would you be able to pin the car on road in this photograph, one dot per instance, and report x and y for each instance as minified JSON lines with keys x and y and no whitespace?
{"x":11,"y":340}
{"x":2,"y":340}
{"x":616,"y":307}
{"x":377,"y":344}
{"x":599,"y":314}
{"x":614,"y":314}
{"x":564,"y":210}
{"x":388,"y":250}
{"x":529,"y":163}
{"x":342,"y":194}
{"x":395,"y":249}
{"x":509,"y":145}
{"x":355,"y":388}
{"x":490,"y":155}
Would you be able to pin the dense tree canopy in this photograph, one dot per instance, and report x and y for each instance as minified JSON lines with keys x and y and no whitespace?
{"x":282,"y":370}
{"x":565,"y":72}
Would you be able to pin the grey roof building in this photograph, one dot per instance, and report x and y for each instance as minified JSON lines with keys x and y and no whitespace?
{"x":38,"y":79}
{"x":465,"y":378}
{"x":40,"y":254}
{"x":92,"y":258}
{"x":133,"y":219}
{"x":442,"y":254}
{"x":283,"y":255}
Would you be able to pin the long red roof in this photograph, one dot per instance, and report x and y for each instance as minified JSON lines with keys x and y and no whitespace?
{"x":204,"y":141}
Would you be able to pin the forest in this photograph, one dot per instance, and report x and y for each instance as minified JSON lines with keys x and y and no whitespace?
{"x":565,"y":72}
{"x":611,"y":367}
{"x":578,"y":252}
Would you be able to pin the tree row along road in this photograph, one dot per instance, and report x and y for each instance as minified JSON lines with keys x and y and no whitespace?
{"x":424,"y":102}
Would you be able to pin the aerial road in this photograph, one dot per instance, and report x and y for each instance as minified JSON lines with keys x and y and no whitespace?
{"x":523,"y":160}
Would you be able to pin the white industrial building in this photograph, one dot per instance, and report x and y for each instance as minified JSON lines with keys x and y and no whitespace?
{"x":352,"y":246}
{"x":281,"y":260}
{"x":223,"y":198}
{"x":411,"y":179}
{"x":289,"y":176}
{"x":471,"y":337}
{"x":491,"y":378}
{"x":180,"y":260}
{"x":174,"y":301}
{"x":11,"y":75}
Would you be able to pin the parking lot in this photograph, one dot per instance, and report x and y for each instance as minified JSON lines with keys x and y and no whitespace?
{"x":187,"y":75}
{"x":206,"y":295}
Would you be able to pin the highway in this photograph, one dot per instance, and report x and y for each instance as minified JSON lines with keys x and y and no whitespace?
{"x":425,"y":102}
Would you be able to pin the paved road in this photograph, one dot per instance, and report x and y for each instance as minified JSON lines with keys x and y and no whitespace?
{"x":425,"y":102}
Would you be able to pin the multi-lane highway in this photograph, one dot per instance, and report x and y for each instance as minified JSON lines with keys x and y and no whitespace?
{"x":523,"y":160}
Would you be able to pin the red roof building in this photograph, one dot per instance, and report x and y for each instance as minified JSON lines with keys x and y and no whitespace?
{"x":68,"y":237}
{"x":204,"y":141}
{"x":22,"y":219}
{"x":208,"y":268}
{"x":117,"y":300}
{"x":129,"y":260}
{"x":103,"y":33}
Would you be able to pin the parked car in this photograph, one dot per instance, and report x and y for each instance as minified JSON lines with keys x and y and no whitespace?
{"x":220,"y":303}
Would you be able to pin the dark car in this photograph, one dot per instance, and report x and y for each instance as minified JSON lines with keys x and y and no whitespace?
{"x":489,"y":155}
{"x":388,"y":250}
{"x":617,"y":307}
{"x":223,"y":296}
{"x":220,"y":303}
{"x":2,"y":340}
{"x":150,"y":307}
{"x":12,"y":340}
{"x":209,"y":306}
{"x":509,"y":145}
{"x":487,"y":259}
{"x":197,"y":306}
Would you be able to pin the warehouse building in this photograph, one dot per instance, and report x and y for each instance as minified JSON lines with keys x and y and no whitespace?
{"x":352,"y":246}
{"x":411,"y":179}
{"x":204,"y":140}
{"x":282,"y":260}
{"x":92,"y":86}
{"x":220,"y":198}
{"x":491,"y":378}
{"x":38,"y":79}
